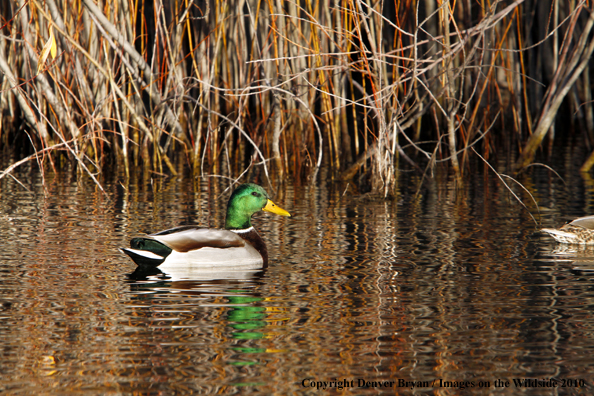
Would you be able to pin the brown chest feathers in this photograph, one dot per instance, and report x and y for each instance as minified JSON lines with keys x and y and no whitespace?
{"x":253,"y":238}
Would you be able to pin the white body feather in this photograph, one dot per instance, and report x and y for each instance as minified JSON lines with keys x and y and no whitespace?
{"x":245,"y":257}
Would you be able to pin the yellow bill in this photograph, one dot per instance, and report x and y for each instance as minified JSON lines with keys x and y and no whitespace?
{"x":272,"y":208}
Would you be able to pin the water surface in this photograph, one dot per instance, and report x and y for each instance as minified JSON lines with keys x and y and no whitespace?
{"x":447,"y":292}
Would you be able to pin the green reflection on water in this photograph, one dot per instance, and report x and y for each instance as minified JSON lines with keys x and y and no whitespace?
{"x":246,"y":317}
{"x":249,"y":350}
{"x":248,"y":384}
{"x":243,"y":363}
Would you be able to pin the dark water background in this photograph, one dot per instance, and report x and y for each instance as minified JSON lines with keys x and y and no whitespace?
{"x":451,"y":288}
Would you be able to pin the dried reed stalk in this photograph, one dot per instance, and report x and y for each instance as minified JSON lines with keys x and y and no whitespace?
{"x":228,"y":87}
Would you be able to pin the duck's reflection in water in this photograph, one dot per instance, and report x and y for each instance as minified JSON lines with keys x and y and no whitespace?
{"x":180,"y":274}
{"x":224,"y":309}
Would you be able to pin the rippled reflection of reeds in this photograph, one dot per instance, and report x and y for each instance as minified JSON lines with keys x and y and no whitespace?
{"x":440,"y":286}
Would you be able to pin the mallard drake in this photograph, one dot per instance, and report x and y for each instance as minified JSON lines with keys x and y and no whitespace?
{"x":238,"y":245}
{"x":580,"y":231}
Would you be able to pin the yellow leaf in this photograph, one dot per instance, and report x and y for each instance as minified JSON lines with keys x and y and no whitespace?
{"x":54,"y":46}
{"x":49,"y":47}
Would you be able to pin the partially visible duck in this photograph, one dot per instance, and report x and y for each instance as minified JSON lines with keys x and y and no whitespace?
{"x":237,"y":246}
{"x":580,"y":231}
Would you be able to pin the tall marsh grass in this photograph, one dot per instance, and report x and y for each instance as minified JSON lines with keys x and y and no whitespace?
{"x":224,"y":87}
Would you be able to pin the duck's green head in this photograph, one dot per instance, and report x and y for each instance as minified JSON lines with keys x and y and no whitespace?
{"x":246,"y":200}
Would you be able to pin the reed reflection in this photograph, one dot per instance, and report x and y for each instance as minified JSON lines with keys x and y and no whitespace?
{"x":219,"y":325}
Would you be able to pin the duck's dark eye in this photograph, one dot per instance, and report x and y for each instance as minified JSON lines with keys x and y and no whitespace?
{"x":256,"y":194}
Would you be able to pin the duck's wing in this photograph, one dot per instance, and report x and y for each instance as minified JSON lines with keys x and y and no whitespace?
{"x":187,"y":238}
{"x":584,"y":222}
